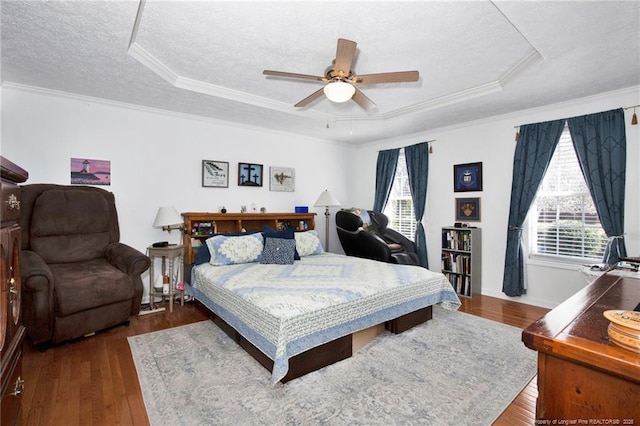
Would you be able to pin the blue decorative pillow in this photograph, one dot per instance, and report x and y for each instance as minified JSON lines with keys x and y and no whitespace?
{"x":203,"y":255}
{"x":308,"y":243}
{"x":279,"y":251}
{"x":287,"y":234}
{"x":232,"y":250}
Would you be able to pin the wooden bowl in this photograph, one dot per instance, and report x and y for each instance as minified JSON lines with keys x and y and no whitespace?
{"x":624,"y":329}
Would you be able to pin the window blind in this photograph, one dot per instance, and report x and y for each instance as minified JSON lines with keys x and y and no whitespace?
{"x":399,"y":208}
{"x":567,"y":221}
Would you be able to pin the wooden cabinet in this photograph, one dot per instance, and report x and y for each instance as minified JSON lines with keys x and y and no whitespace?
{"x":200,"y":226}
{"x":461,"y":259}
{"x":12,"y":331}
{"x":581,"y":373}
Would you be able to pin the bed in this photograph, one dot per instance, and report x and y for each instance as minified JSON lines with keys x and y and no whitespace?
{"x":300,"y":316}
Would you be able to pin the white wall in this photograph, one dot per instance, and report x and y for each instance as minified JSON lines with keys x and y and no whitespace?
{"x":156,"y":159}
{"x":492,"y":142}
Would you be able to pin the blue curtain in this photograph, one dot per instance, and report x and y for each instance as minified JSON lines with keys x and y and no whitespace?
{"x":601,"y":145}
{"x":534,"y":150}
{"x":417,"y":157}
{"x":385,"y":172}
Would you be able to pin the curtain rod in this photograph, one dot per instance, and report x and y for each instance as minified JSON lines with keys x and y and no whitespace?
{"x":429,"y":141}
{"x":625,"y":108}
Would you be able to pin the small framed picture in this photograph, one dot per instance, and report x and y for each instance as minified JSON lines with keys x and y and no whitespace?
{"x":90,"y":172}
{"x":282,"y":179}
{"x":215,"y":174}
{"x":249,"y":174}
{"x":467,"y":177}
{"x":468,"y":209}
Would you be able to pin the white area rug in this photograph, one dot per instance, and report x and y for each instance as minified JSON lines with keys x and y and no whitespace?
{"x":456,"y":369}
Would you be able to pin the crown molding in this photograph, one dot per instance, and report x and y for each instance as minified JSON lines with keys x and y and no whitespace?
{"x":521,"y":67}
{"x":151,"y":110}
{"x":633,"y":91}
{"x":138,"y":52}
{"x":463,"y":95}
{"x":153,"y":64}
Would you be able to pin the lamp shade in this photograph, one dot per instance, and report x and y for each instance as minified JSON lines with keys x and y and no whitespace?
{"x":326,"y":200}
{"x":167,"y":216}
{"x":339,"y":91}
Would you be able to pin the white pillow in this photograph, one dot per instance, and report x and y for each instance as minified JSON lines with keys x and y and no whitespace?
{"x":308,"y":243}
{"x":232,"y":250}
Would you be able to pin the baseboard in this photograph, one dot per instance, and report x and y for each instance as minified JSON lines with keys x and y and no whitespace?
{"x":526,"y":300}
{"x":150,"y":311}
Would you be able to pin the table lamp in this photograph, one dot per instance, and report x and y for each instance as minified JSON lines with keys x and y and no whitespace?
{"x":326,"y":200}
{"x":168,"y":219}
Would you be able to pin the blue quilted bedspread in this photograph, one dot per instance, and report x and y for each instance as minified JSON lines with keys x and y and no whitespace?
{"x":287,"y":309}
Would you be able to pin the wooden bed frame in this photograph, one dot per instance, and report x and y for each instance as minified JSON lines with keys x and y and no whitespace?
{"x":325,"y":354}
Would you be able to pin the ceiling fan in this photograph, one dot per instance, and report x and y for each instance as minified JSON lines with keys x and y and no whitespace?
{"x":341,"y":80}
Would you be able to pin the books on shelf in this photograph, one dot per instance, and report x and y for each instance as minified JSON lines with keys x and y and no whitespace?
{"x":456,"y":240}
{"x":460,"y":283}
{"x":461,"y":259}
{"x":203,"y":228}
{"x":456,"y":262}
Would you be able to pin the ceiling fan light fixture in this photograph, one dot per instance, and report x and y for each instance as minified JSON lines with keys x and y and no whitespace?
{"x":339,"y":91}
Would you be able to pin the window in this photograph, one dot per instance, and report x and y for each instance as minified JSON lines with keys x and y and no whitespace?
{"x":399,"y":208}
{"x":566,"y":222}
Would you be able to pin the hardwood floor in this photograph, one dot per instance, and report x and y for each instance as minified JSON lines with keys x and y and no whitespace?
{"x":93,"y":381}
{"x":522,"y":410}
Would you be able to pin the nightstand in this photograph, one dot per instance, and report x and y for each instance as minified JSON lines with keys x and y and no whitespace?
{"x":168,"y":254}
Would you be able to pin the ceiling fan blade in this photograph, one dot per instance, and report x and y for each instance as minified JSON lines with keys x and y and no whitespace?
{"x":362,"y":100}
{"x":344,"y":57}
{"x":387,"y":77}
{"x":312,"y":97}
{"x":293,"y":75}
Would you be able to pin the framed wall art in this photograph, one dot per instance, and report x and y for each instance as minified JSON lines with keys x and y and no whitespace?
{"x":90,"y":172}
{"x":282,"y":179}
{"x":467,"y":177}
{"x":215,"y":174}
{"x":468,"y":209}
{"x":249,"y":174}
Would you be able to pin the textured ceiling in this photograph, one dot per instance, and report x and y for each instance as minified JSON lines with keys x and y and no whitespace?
{"x":476,"y":59}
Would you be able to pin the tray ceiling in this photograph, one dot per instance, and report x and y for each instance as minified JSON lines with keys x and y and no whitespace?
{"x":476,"y":59}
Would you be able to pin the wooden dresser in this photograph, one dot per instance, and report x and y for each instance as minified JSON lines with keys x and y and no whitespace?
{"x":12,"y":331}
{"x":582,"y":376}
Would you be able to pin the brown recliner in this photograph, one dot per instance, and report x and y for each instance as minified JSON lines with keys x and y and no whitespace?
{"x":77,"y":277}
